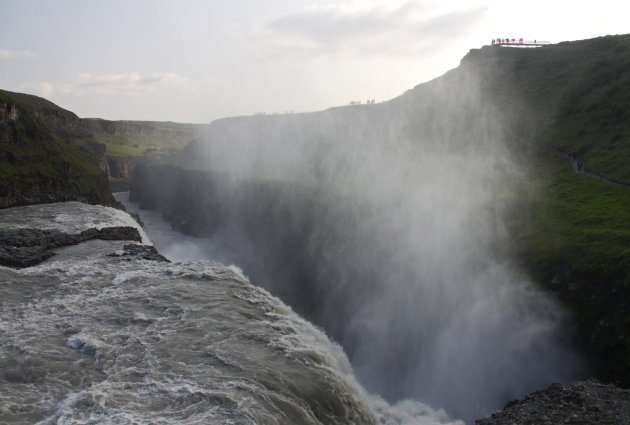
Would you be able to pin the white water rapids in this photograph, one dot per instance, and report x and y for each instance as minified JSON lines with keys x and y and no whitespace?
{"x":86,"y":338}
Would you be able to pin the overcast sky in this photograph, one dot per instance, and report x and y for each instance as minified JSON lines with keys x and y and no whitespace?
{"x":195,"y":61}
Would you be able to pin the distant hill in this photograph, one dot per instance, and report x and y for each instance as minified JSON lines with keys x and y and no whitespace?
{"x":46,"y":155}
{"x":141,"y":138}
{"x":128,"y":142}
{"x":49,"y":154}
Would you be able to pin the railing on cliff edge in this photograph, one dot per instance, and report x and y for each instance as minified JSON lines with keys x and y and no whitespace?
{"x":513,"y":42}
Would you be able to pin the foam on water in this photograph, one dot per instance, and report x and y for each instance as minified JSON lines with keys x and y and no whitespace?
{"x":69,"y":217}
{"x":88,"y":338}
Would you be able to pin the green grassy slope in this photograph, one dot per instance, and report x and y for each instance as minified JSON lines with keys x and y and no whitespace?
{"x":39,"y":161}
{"x":572,"y":231}
{"x":573,"y":94}
{"x":575,"y":241}
{"x":141,"y":138}
{"x":48,"y":153}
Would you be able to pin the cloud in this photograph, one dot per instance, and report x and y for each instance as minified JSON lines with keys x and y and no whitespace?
{"x":377,"y":30}
{"x":14,"y":54}
{"x":131,"y":83}
{"x":42,"y":88}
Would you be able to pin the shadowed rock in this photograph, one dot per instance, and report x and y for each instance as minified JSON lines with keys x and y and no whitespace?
{"x":21,"y":248}
{"x":144,"y":252}
{"x":577,"y":403}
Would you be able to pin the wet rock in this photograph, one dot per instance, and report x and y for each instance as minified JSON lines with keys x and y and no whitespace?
{"x":576,"y":403}
{"x":120,"y":233}
{"x":25,"y":256}
{"x":144,"y":252}
{"x":21,"y":248}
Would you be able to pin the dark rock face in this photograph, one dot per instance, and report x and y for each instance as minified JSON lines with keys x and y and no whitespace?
{"x":21,"y":248}
{"x":133,"y":129}
{"x":60,"y":120}
{"x":121,"y":168}
{"x":155,"y":185}
{"x":144,"y":252}
{"x":603,"y":302}
{"x":47,"y":193}
{"x":20,"y":257}
{"x":277,"y":220}
{"x":577,"y":403}
{"x":120,"y":172}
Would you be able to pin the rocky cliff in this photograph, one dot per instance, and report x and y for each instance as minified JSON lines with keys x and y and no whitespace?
{"x":130,"y":142}
{"x":277,"y":219}
{"x":120,"y":171}
{"x":576,"y":403}
{"x":136,"y":130}
{"x":46,"y":156}
{"x":33,"y":129}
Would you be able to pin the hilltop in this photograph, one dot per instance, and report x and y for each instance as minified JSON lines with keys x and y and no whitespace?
{"x":571,"y":95}
{"x":130,"y":142}
{"x":141,"y":138}
{"x":49,"y":154}
{"x":45,"y":155}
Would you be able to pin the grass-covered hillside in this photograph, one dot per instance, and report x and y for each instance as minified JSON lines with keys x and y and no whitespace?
{"x":141,"y":138}
{"x":45,"y":156}
{"x":573,"y":95}
{"x":128,"y":142}
{"x":566,"y":103}
{"x":571,"y":232}
{"x":48,"y":153}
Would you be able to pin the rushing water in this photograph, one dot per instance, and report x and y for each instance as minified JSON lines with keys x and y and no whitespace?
{"x":87,"y":338}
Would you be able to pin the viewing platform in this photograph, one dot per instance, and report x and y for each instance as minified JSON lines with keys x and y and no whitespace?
{"x":513,"y":42}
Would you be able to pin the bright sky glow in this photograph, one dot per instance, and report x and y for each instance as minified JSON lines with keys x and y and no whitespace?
{"x":195,"y":60}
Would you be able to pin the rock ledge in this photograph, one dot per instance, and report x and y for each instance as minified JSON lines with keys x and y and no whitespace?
{"x":576,"y":403}
{"x":21,"y":248}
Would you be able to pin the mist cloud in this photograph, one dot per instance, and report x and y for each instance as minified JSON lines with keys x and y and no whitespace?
{"x":383,"y":223}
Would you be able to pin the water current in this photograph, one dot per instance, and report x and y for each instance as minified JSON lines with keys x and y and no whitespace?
{"x":87,"y":338}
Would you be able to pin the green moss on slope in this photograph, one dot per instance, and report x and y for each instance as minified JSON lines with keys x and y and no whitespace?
{"x":571,"y":231}
{"x":38,"y":160}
